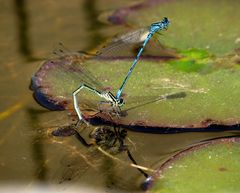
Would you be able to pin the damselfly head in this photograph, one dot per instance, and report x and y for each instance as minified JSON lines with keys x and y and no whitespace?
{"x":160,"y":25}
{"x":165,"y":22}
{"x":120,"y":102}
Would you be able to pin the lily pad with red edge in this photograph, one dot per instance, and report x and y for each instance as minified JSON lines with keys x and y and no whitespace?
{"x":158,"y":95}
{"x":212,"y":25}
{"x":212,"y":166}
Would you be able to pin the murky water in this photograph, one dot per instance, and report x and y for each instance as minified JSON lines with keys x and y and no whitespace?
{"x":30,"y":155}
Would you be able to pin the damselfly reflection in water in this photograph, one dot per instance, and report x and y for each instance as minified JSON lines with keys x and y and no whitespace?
{"x":104,"y":143}
{"x":116,"y":101}
{"x":109,"y":141}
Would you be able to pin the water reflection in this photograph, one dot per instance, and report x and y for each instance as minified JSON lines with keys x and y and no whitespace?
{"x":74,"y":162}
{"x":23,"y":24}
{"x":38,"y":152}
{"x":71,"y":164}
{"x":22,"y":20}
{"x":94,"y":26}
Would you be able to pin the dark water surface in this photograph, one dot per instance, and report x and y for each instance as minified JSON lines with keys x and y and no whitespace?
{"x":30,"y":155}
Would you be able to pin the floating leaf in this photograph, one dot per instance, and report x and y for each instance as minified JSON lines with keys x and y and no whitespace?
{"x":159,"y":94}
{"x":211,"y":25}
{"x":212,"y":166}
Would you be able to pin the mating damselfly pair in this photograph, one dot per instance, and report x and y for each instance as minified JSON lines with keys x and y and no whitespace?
{"x":116,"y":101}
{"x":70,"y":70}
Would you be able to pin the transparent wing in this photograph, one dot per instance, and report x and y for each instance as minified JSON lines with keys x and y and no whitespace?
{"x":61,"y":51}
{"x":124,"y":45}
{"x":127,"y":46}
{"x":73,"y":63}
{"x":54,"y":83}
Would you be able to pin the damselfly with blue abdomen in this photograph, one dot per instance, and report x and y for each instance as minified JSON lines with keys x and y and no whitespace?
{"x":116,"y":101}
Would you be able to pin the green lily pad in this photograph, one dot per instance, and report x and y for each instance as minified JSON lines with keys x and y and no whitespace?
{"x":212,"y":25}
{"x":160,"y":93}
{"x":209,"y":167}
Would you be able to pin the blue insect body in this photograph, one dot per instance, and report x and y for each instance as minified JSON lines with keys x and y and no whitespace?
{"x":155,"y":27}
{"x":117,"y":101}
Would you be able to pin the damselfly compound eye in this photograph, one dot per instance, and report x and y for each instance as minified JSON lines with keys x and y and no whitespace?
{"x":121,"y":102}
